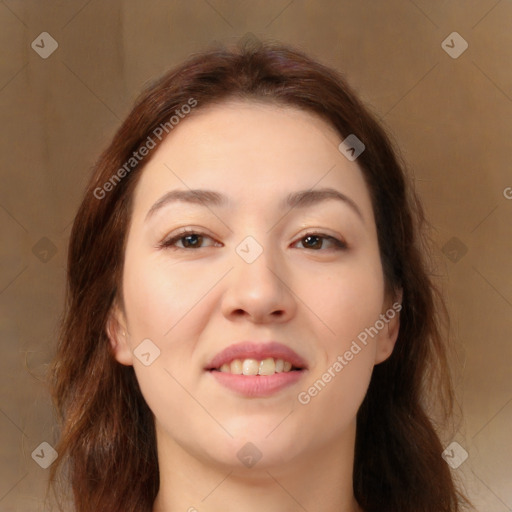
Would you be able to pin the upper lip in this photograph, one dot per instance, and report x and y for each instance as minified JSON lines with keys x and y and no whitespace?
{"x":259,"y":351}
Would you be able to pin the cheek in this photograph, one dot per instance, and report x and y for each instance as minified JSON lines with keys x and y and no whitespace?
{"x":163,"y":304}
{"x":158,"y":296}
{"x":151,"y":304}
{"x":160,"y":304}
{"x":350,"y":301}
{"x":335,"y":394}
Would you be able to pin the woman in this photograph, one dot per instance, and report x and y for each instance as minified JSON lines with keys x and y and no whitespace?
{"x":250,"y":323}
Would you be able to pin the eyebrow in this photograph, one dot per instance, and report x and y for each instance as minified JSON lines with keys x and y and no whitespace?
{"x":299,"y":199}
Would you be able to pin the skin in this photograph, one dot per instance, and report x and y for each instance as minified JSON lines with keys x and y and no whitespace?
{"x":194,"y":302}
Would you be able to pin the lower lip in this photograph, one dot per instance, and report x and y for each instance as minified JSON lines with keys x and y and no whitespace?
{"x":257,"y":385}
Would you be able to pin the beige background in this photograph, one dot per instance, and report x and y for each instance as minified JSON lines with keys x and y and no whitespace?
{"x":451,"y":118}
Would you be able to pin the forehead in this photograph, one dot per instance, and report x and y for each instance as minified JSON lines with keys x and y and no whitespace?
{"x":254,"y":153}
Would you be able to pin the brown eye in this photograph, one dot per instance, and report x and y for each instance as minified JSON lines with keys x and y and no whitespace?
{"x":189,"y":240}
{"x":316,"y":241}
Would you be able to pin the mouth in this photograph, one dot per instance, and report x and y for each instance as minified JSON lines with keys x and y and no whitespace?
{"x":250,"y":366}
{"x":257,"y":370}
{"x":251,"y":358}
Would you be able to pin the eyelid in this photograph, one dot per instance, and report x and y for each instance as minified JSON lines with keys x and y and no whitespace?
{"x":327,"y":233}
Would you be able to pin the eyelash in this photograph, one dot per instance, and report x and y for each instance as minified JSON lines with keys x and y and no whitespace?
{"x":340,"y":245}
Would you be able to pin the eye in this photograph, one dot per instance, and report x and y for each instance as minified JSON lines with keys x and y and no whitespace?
{"x":191,"y":240}
{"x":315,"y":241}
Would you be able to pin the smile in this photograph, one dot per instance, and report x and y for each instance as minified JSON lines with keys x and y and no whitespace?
{"x":267,"y":366}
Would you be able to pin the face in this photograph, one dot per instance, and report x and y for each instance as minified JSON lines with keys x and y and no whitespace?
{"x":305,"y":274}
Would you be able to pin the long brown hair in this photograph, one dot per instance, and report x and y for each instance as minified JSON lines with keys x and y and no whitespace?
{"x":107,"y":447}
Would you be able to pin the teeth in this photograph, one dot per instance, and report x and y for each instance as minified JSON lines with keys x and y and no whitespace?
{"x":236,"y":367}
{"x":267,"y":366}
{"x":250,"y":367}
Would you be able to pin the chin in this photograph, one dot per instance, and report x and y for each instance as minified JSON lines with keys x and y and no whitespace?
{"x":257,"y":445}
{"x":265,"y":429}
{"x":249,"y":457}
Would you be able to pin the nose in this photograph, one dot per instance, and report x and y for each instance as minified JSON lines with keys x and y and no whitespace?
{"x":260,"y":291}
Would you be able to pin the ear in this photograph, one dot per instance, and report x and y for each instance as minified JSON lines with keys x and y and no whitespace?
{"x":388,"y":335}
{"x":118,"y":336}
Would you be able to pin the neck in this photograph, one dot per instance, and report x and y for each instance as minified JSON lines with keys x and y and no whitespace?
{"x":320,"y":481}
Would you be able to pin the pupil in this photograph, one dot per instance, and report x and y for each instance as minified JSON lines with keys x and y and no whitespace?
{"x":186,"y":238}
{"x":308,"y":238}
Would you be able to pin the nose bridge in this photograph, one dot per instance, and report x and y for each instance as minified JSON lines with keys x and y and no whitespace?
{"x":257,"y":283}
{"x":256,"y":263}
